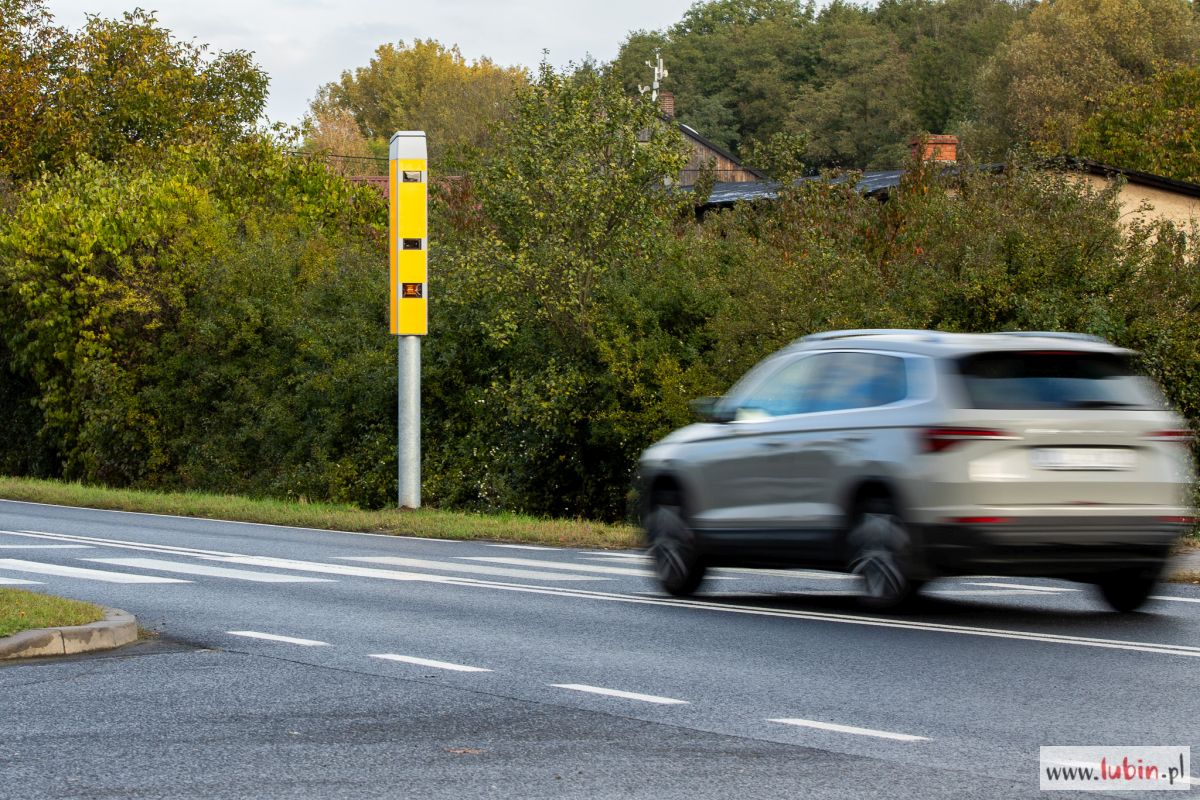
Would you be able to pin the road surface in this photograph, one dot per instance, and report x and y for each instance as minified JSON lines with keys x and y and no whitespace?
{"x":299,"y":663}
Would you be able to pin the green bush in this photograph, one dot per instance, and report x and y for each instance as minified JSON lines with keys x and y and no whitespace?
{"x":213,"y":321}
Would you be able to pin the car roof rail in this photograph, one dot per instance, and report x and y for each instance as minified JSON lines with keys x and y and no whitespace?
{"x":826,"y":335}
{"x":1079,"y":337}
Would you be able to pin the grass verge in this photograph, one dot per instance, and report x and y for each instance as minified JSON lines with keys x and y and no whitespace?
{"x":22,"y":611}
{"x":432,"y":523}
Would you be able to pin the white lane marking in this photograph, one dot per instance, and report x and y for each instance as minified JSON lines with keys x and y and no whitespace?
{"x":645,"y":698}
{"x":80,"y":572}
{"x":18,"y":582}
{"x":1175,"y":599}
{"x":204,"y":569}
{"x":731,"y":593}
{"x":274,"y":637}
{"x":45,"y":547}
{"x":573,"y":567}
{"x":526,"y":547}
{"x":615,"y":554}
{"x":258,"y":561}
{"x":562,"y":565}
{"x":427,"y":662}
{"x":1156,"y":648}
{"x":816,"y":575}
{"x":1029,"y":586}
{"x":790,"y":573}
{"x":986,"y":593}
{"x":339,"y":569}
{"x":450,"y":566}
{"x":830,"y":726}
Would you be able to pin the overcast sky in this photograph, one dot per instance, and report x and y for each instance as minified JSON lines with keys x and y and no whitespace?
{"x":305,"y":43}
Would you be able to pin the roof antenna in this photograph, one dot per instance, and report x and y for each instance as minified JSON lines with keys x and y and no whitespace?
{"x":660,"y":72}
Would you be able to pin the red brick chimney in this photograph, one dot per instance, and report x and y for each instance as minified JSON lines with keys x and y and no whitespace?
{"x":935,"y":147}
{"x":666,"y":102}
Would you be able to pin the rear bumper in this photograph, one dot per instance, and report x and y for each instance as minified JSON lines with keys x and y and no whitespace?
{"x":1050,"y":546}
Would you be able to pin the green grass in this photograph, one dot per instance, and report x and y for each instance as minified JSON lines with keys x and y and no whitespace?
{"x":21,"y":611}
{"x":421,"y":522}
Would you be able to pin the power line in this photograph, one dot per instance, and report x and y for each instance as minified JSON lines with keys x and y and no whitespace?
{"x":333,"y":155}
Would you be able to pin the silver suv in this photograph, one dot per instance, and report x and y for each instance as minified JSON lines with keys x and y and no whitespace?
{"x":903,"y":456}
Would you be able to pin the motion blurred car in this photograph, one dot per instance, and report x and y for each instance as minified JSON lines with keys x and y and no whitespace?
{"x":903,"y":456}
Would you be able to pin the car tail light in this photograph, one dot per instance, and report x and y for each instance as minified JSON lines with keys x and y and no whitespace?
{"x":1178,"y":520}
{"x":935,"y":440}
{"x":1176,"y":435}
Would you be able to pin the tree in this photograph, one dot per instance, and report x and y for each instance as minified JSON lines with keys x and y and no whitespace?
{"x":857,"y":112}
{"x":550,"y":344}
{"x":947,"y":41}
{"x":856,"y":80}
{"x":129,"y":83}
{"x":1059,"y":63}
{"x":1153,"y":127}
{"x":735,"y":65}
{"x":214,"y":319}
{"x":116,"y":87}
{"x":31,"y":49}
{"x":333,"y":133}
{"x":424,"y":86}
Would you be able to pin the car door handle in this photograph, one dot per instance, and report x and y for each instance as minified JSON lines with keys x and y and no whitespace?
{"x":771,"y":443}
{"x":851,"y":439}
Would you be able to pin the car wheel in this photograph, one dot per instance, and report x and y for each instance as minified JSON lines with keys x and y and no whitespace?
{"x":1126,"y":590}
{"x":677,"y":560}
{"x":880,"y":550}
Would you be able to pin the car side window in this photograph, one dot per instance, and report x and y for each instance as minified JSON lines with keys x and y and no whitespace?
{"x":826,"y":382}
{"x":860,"y":380}
{"x":787,"y":390}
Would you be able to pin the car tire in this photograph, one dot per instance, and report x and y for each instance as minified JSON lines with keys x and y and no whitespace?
{"x":1128,"y":589}
{"x":678,"y":563}
{"x":881,"y":554}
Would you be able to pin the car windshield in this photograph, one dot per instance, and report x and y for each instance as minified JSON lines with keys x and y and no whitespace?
{"x":1055,"y":380}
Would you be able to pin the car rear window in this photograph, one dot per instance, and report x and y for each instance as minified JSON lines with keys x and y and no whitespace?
{"x":1032,"y":380}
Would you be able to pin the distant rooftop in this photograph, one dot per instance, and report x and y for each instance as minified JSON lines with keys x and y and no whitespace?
{"x":881,"y":182}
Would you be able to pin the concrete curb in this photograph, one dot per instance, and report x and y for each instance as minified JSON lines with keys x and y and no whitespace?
{"x":1187,"y":561}
{"x":117,"y":628}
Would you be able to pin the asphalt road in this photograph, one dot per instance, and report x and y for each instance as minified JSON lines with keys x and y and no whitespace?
{"x":310,"y":664}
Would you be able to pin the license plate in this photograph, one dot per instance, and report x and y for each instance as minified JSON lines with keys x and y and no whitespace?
{"x":1083,"y":458}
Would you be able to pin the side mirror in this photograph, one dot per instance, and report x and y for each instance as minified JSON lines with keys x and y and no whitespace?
{"x":709,"y":409}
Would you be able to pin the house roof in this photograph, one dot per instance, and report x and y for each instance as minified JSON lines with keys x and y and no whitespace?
{"x":880,"y":182}
{"x":694,"y":135}
{"x":1136,"y":176}
{"x":871,"y":182}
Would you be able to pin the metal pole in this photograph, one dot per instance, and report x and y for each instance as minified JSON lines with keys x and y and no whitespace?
{"x":409,"y":451}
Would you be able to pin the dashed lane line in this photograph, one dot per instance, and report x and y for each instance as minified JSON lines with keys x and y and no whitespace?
{"x":478,"y":569}
{"x":205,"y":569}
{"x":58,"y":570}
{"x":428,"y":662}
{"x":18,"y":582}
{"x":851,"y":729}
{"x":274,"y":637}
{"x":644,"y":698}
{"x":45,"y":547}
{"x":1027,"y":586}
{"x":559,"y":565}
